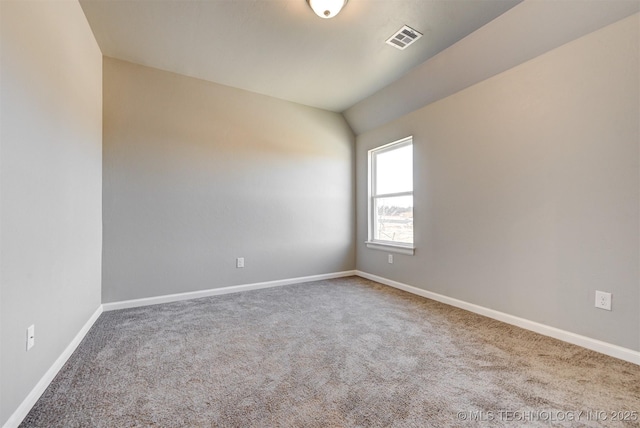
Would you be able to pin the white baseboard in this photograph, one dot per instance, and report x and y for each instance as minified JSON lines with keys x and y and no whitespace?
{"x":566,"y":336}
{"x":23,"y":410}
{"x":219,"y":291}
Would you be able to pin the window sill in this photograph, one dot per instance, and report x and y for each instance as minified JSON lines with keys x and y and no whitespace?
{"x":392,"y":248}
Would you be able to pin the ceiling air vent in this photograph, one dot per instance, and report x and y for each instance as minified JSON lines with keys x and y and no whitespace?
{"x":404,"y":37}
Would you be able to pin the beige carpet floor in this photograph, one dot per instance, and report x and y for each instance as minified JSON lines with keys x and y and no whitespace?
{"x":342,"y":353}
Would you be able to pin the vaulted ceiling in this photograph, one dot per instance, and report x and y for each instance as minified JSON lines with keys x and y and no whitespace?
{"x":280,"y":47}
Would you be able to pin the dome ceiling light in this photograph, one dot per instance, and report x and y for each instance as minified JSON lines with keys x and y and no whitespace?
{"x":327,"y":8}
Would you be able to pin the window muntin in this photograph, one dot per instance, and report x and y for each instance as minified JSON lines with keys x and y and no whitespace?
{"x":391,"y":194}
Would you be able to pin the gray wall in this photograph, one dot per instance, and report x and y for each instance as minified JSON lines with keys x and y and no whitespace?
{"x":527,"y":189}
{"x":50,"y":187}
{"x":197,"y":174}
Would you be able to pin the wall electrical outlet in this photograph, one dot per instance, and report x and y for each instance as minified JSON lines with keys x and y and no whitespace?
{"x":31,"y":336}
{"x":240,"y":262}
{"x":603,"y":300}
{"x":390,"y":258}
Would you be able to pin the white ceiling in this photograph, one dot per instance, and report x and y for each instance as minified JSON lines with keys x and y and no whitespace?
{"x":280,"y":47}
{"x":530,"y":29}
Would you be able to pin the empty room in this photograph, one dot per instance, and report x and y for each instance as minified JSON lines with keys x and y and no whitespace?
{"x":319,"y":213}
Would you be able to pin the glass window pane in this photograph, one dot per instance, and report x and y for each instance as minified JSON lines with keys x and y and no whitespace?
{"x":393,"y":219}
{"x":394,"y":170}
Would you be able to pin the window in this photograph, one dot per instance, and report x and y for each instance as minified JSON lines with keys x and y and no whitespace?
{"x":391,"y":197}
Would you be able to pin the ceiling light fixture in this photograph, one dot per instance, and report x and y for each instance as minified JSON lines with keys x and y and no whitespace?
{"x":327,"y":8}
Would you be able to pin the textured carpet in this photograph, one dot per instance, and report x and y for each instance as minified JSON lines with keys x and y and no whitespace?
{"x":345,"y":352}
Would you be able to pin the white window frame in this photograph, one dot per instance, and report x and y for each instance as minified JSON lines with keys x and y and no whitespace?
{"x":377,"y":244}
